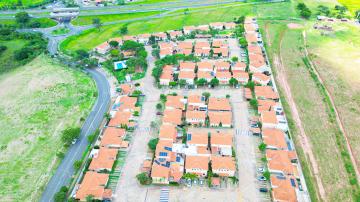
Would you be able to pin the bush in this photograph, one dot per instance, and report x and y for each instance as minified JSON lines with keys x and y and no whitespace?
{"x":60,"y":196}
{"x":143,"y":178}
{"x":254,"y":103}
{"x":262,"y":147}
{"x":77,"y":165}
{"x":69,"y":134}
{"x":266,"y":174}
{"x":152,"y":143}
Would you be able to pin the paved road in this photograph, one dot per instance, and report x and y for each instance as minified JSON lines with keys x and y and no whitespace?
{"x":65,"y":170}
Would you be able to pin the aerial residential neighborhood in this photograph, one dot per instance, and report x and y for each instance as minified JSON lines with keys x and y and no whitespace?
{"x":179,"y":100}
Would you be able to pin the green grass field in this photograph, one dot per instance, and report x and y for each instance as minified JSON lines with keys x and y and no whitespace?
{"x":60,"y":31}
{"x":315,"y":114}
{"x":352,"y":5}
{"x":91,"y":38}
{"x":37,"y":102}
{"x":25,"y":3}
{"x":87,"y":20}
{"x":45,"y":22}
{"x":6,"y":58}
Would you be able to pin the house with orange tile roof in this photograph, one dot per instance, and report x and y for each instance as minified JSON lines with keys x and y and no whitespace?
{"x":122,"y":118}
{"x":223,"y":77}
{"x":103,"y":48}
{"x":176,"y":171}
{"x":188,"y":76}
{"x":266,"y":105}
{"x":112,"y":137}
{"x":222,"y":66}
{"x":241,"y":77}
{"x":266,"y":93}
{"x":172,"y":116}
{"x":196,"y":102}
{"x":174,"y":34}
{"x":185,"y":47}
{"x":217,"y":25}
{"x":160,"y":36}
{"x":126,"y":89}
{"x":175,"y":102}
{"x":160,"y":174}
{"x":168,"y":132}
{"x":254,"y":49}
{"x":164,"y":52}
{"x":127,"y":103}
{"x":163,"y":150}
{"x":188,"y":29}
{"x":252,"y":38}
{"x":144,"y":38}
{"x":221,"y":52}
{"x":220,"y":119}
{"x":165,"y":78}
{"x":229,"y":25}
{"x":274,"y":139}
{"x":219,"y":104}
{"x":216,"y":43}
{"x":261,"y":78}
{"x":103,"y":159}
{"x":247,"y":94}
{"x":250,"y":28}
{"x":202,"y":48}
{"x":238,"y":66}
{"x":203,"y":28}
{"x":224,"y":166}
{"x":198,"y":165}
{"x":205,"y":75}
{"x":196,"y":117}
{"x":280,"y":162}
{"x":187,"y":66}
{"x":197,"y":139}
{"x":257,"y":64}
{"x":205,"y":66}
{"x":268,"y":119}
{"x":94,"y":184}
{"x":129,"y":38}
{"x":221,"y":143}
{"x":283,"y":189}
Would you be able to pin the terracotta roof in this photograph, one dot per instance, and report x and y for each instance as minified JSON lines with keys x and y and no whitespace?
{"x":251,"y":38}
{"x":144,"y":36}
{"x":195,"y":99}
{"x":165,"y":45}
{"x":265,"y":92}
{"x":254,"y":49}
{"x":126,"y":88}
{"x":127,"y":102}
{"x":172,"y":116}
{"x":185,"y":51}
{"x":187,"y":66}
{"x":160,"y":171}
{"x":222,"y":65}
{"x":129,"y":38}
{"x":200,"y":51}
{"x":104,"y":46}
{"x":274,"y":138}
{"x":215,"y":181}
{"x":219,"y":43}
{"x":239,"y":65}
{"x":160,"y":35}
{"x":168,"y":68}
{"x":112,"y":136}
{"x":222,"y":104}
{"x":190,"y":28}
{"x":166,"y":75}
{"x":223,"y":75}
{"x":168,"y":132}
{"x":202,"y":150}
{"x":176,"y":171}
{"x":204,"y":75}
{"x":185,"y":44}
{"x":279,"y":160}
{"x":216,"y":24}
{"x":241,"y":75}
{"x":176,"y":102}
{"x":265,"y":105}
{"x":163,"y":146}
{"x":186,"y":75}
{"x":197,"y":138}
{"x":249,"y":27}
{"x":260,"y":76}
{"x":223,"y":50}
{"x":93,"y":184}
{"x":166,"y":51}
{"x":202,"y":44}
{"x":220,"y":162}
{"x":204,"y":65}
{"x":199,"y":115}
{"x":200,"y":162}
{"x":268,"y":117}
{"x":221,"y":139}
{"x":120,"y":118}
{"x":203,"y":27}
{"x":282,"y":190}
{"x":229,"y":25}
{"x":175,"y":33}
{"x":220,"y":117}
{"x":104,"y":159}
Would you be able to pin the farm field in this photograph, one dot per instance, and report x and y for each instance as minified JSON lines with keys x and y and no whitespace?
{"x":91,"y":38}
{"x":87,"y":20}
{"x":37,"y":102}
{"x":314,"y":112}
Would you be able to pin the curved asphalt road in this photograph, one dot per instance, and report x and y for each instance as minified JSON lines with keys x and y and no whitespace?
{"x":65,"y":170}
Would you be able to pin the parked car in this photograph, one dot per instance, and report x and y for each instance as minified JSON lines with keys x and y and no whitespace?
{"x":188,"y":183}
{"x":201,"y":182}
{"x":261,"y":169}
{"x":261,"y":178}
{"x":74,"y":141}
{"x":263,"y":189}
{"x":159,"y":113}
{"x":195,"y":182}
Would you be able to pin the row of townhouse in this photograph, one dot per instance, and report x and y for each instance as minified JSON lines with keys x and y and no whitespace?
{"x":173,"y":158}
{"x":104,"y":155}
{"x":200,"y":48}
{"x":282,"y":162}
{"x":104,"y":47}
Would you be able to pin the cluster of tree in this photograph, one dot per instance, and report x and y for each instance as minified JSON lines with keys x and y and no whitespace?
{"x":2,"y":49}
{"x":305,"y":12}
{"x":139,"y":60}
{"x":82,"y":58}
{"x":143,"y":178}
{"x":170,"y":60}
{"x":357,"y":15}
{"x":70,"y":134}
{"x":239,"y":20}
{"x":338,"y":11}
{"x":60,"y":196}
{"x":24,"y":20}
{"x":240,"y":30}
{"x":152,"y":143}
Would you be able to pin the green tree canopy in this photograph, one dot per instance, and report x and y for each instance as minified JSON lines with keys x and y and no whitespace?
{"x":152,"y":143}
{"x":69,"y":134}
{"x":22,"y":17}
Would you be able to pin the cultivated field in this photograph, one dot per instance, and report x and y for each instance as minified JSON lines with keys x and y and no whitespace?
{"x":286,"y":46}
{"x":37,"y":101}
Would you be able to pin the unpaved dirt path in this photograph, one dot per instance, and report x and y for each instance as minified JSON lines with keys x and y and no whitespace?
{"x":304,"y":141}
{"x":338,"y":120}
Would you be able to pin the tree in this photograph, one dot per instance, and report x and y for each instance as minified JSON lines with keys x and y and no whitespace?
{"x":254,"y":103}
{"x":152,"y":39}
{"x":357,"y":15}
{"x":191,"y":176}
{"x":201,"y":82}
{"x":305,"y":13}
{"x":186,"y":11}
{"x":114,"y":44}
{"x":206,"y":95}
{"x":69,"y":134}
{"x":124,"y":30}
{"x":243,"y":43}
{"x":22,"y":54}
{"x":182,"y":82}
{"x":89,"y":198}
{"x":233,"y":82}
{"x":234,"y":59}
{"x":22,"y":18}
{"x":81,"y":54}
{"x":152,"y":143}
{"x":143,"y":178}
{"x":115,"y":53}
{"x":97,"y":23}
{"x":156,"y":72}
{"x":77,"y":165}
{"x":172,"y":83}
{"x":93,"y":136}
{"x":214,"y":82}
{"x":163,"y":98}
{"x":60,"y":196}
{"x":250,"y":85}
{"x":266,"y":174}
{"x":301,"y":6}
{"x":262,"y":147}
{"x":159,"y":106}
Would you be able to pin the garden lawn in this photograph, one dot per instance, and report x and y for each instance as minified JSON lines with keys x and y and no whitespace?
{"x":37,"y":102}
{"x":93,"y":37}
{"x":87,"y":20}
{"x":313,"y":110}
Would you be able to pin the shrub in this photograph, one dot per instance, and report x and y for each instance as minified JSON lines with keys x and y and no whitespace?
{"x":152,"y":143}
{"x":266,"y":174}
{"x":262,"y":147}
{"x":143,"y":178}
{"x":60,"y":196}
{"x":77,"y":165}
{"x":69,"y":134}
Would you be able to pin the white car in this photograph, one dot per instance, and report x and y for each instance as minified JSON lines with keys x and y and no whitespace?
{"x":74,"y":141}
